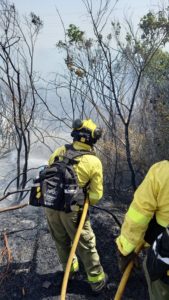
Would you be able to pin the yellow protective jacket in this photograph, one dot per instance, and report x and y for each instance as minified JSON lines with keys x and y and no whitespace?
{"x":151,"y":198}
{"x":88,"y":169}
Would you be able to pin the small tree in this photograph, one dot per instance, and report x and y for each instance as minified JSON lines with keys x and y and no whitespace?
{"x":17,"y":77}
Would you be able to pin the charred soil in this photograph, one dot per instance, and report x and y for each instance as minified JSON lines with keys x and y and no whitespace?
{"x":35,"y":272}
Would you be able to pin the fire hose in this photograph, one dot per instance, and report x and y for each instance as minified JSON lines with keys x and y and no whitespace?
{"x":127,"y":271}
{"x":73,"y":250}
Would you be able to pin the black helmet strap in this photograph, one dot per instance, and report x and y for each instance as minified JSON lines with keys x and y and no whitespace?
{"x":86,"y":134}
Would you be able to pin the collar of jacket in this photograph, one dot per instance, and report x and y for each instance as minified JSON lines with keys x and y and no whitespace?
{"x":81,"y":146}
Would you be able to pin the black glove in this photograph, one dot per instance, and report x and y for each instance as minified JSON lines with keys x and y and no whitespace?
{"x":80,"y":199}
{"x":123,"y":261}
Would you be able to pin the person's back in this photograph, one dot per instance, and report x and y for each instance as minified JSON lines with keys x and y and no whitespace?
{"x":88,"y":169}
{"x":63,"y":225}
{"x":146,"y":218}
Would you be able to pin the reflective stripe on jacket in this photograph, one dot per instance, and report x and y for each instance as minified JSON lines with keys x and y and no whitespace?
{"x":88,"y":169}
{"x":151,"y":197}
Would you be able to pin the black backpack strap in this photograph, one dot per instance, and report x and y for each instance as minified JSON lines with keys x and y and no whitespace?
{"x":68,"y":147}
{"x":71,"y":153}
{"x":153,"y":230}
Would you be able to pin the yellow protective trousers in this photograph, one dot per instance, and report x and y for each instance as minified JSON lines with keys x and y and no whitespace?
{"x":63,"y":227}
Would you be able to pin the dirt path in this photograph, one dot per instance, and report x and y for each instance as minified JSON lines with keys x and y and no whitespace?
{"x":35,"y":272}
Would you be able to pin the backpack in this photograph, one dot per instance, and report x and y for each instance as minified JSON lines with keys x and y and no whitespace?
{"x":158,"y":257}
{"x":57,"y":185}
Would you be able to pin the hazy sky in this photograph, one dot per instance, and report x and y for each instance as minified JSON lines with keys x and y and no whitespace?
{"x":72,"y":11}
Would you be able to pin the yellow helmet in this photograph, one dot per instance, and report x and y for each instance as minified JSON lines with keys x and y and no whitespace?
{"x":86,"y":131}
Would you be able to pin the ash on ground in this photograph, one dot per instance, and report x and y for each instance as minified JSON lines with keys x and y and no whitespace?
{"x":35,"y":272}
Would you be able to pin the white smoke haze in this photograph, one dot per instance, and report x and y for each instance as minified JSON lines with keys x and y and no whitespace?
{"x":39,"y":155}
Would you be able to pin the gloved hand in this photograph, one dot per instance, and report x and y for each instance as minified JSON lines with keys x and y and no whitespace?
{"x":80,"y":201}
{"x":123,"y":261}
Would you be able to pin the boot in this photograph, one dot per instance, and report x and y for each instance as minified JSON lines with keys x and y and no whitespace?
{"x":98,"y":287}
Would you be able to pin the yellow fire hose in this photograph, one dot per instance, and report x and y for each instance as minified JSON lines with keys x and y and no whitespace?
{"x":126,"y":275}
{"x":73,"y":250}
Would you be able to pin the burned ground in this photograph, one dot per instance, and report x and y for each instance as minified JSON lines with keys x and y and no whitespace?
{"x":35,"y":272}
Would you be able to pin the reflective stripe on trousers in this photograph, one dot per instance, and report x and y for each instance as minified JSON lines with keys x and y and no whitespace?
{"x":95,"y":279}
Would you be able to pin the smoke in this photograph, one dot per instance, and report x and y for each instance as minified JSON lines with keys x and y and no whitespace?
{"x":39,"y":155}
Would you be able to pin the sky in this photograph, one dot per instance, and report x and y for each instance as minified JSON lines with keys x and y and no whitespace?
{"x":72,"y":11}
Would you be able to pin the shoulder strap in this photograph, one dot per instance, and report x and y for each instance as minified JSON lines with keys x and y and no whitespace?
{"x":72,"y":153}
{"x":68,"y":147}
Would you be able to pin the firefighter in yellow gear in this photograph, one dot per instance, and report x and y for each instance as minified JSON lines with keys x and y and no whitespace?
{"x":146,"y":218}
{"x":62,"y":225}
